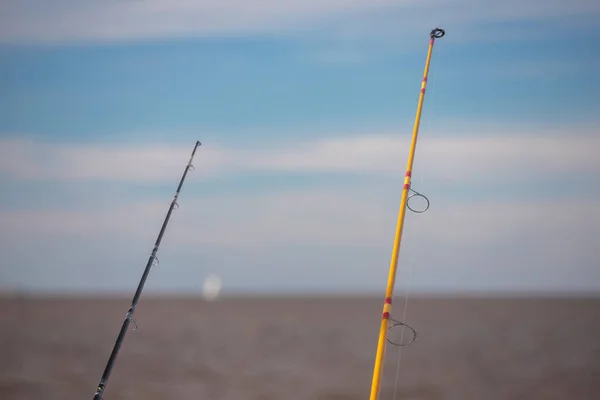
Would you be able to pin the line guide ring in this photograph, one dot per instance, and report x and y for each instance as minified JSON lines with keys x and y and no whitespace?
{"x":416,"y":194}
{"x":393,"y":324}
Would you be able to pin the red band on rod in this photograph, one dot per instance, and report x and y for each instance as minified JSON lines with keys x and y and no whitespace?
{"x":388,"y":300}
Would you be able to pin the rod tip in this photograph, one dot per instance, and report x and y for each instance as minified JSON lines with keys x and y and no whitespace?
{"x":437,"y":33}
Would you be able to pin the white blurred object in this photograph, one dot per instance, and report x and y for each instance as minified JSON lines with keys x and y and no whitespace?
{"x":211,"y":288}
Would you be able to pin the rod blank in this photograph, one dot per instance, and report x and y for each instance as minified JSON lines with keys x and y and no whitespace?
{"x":136,"y":297}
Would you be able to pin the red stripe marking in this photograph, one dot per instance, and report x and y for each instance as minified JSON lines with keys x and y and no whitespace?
{"x":431,"y":41}
{"x":386,"y":315}
{"x":425,"y":79}
{"x":408,"y":173}
{"x":423,"y":90}
{"x":388,"y":300}
{"x":406,"y":185}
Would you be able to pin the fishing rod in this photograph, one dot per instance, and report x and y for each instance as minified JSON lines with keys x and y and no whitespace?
{"x":387,"y":304}
{"x":153,"y":260}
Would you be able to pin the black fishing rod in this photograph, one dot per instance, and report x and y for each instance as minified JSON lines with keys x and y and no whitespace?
{"x":151,"y":261}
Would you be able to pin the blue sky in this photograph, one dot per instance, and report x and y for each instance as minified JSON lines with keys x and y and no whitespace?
{"x":305,"y":111}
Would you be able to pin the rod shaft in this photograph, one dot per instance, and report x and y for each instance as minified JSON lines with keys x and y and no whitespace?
{"x":387,"y":305}
{"x":129,"y":316}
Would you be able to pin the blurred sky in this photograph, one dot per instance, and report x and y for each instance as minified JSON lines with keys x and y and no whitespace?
{"x":305,"y":111}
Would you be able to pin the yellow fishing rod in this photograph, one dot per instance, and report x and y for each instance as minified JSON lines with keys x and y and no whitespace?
{"x":387,"y":305}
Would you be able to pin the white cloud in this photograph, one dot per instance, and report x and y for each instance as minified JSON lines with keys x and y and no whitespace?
{"x":114,"y":19}
{"x":481,"y":239}
{"x":26,"y":159}
{"x":522,"y":241}
{"x":361,"y":215}
{"x":34,"y":20}
{"x":446,"y":156}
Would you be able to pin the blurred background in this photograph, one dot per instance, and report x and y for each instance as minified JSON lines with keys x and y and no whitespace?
{"x":305,"y":111}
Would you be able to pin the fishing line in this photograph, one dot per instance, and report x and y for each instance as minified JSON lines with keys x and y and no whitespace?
{"x":152,"y":261}
{"x":403,"y":325}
